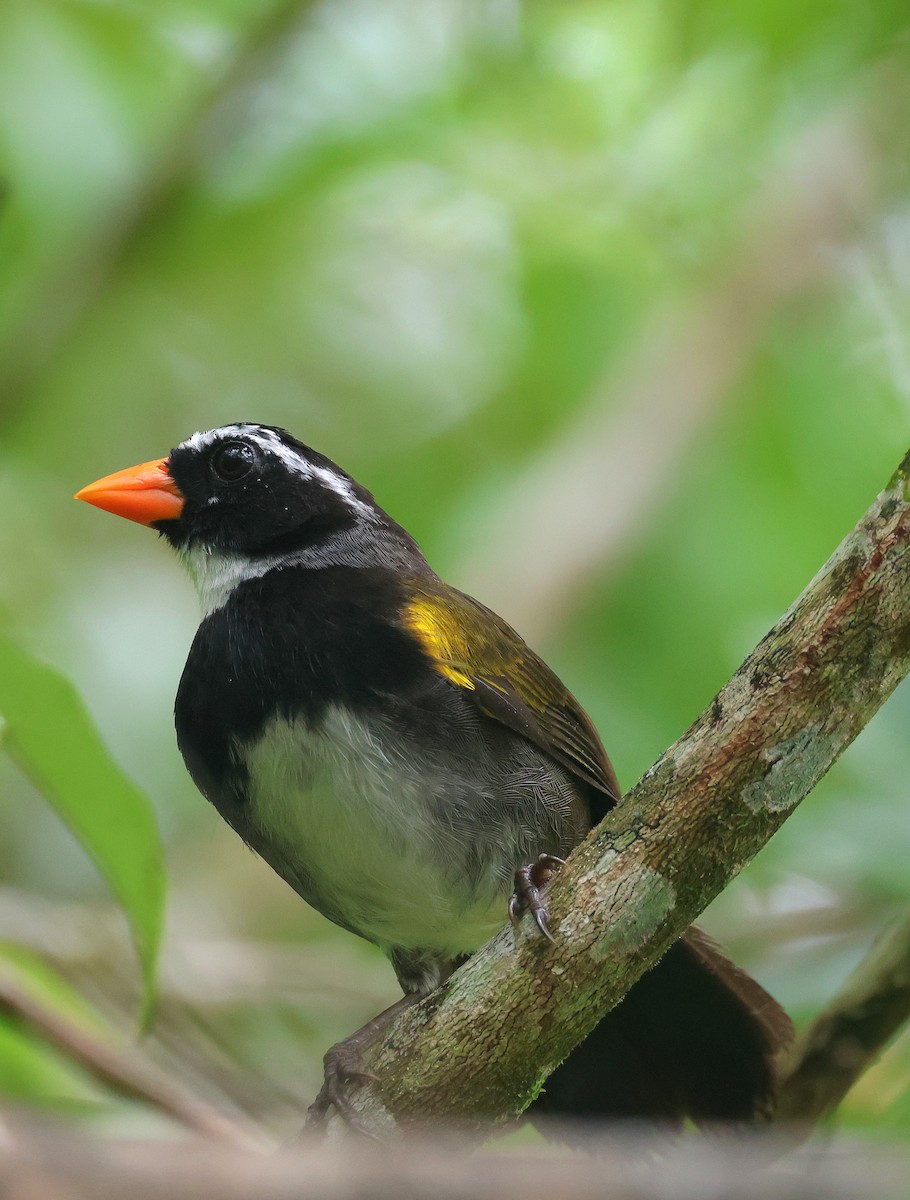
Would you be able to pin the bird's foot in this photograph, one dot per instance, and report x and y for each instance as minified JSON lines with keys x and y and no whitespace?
{"x":343,"y":1067}
{"x":526,"y":897}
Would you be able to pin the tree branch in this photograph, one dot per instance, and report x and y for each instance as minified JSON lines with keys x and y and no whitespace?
{"x":851,"y":1032}
{"x":480,"y":1048}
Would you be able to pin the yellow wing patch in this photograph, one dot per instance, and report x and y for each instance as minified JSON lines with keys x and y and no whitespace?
{"x":442,"y":637}
{"x":477,"y":651}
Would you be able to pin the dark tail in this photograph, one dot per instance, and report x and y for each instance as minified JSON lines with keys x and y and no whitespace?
{"x":696,"y":1037}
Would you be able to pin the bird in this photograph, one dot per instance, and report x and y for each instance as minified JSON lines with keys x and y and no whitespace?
{"x":397,"y":753}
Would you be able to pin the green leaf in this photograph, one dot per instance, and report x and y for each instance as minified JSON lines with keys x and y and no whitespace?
{"x":33,"y":973}
{"x":34,"y":1072}
{"x":31,"y":1069}
{"x":48,"y":733}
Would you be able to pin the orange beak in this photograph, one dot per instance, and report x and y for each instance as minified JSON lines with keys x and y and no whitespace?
{"x":145,"y":493}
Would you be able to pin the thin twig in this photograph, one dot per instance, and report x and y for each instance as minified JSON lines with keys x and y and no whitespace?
{"x":851,"y":1032}
{"x":122,"y":1072}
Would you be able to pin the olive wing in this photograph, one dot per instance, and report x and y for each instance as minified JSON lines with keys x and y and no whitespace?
{"x":478,"y":652}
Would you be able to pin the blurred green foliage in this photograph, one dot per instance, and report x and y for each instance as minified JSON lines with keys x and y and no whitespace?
{"x":445,"y":243}
{"x":48,"y":735}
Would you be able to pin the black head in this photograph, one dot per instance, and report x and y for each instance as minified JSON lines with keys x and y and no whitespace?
{"x":257,"y":491}
{"x":253,"y":493}
{"x":238,"y":501}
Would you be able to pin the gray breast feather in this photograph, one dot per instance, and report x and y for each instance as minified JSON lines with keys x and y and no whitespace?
{"x":409,"y":848}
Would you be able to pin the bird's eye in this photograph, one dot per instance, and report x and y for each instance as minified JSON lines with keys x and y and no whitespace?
{"x":232,"y":461}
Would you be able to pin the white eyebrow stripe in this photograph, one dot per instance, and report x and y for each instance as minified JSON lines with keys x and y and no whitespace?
{"x":339,"y":486}
{"x":207,"y":437}
{"x":272,"y":444}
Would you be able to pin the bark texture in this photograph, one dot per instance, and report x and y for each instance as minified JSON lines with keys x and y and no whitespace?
{"x":478,"y":1050}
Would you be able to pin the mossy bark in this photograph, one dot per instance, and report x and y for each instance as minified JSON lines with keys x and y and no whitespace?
{"x":478,"y":1050}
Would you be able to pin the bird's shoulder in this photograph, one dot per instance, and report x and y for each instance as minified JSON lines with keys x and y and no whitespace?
{"x":482,"y":655}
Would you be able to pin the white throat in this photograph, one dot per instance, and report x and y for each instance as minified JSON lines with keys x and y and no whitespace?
{"x":216,"y":574}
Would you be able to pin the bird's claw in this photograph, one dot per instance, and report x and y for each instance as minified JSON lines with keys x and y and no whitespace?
{"x":526,"y":897}
{"x":342,"y":1068}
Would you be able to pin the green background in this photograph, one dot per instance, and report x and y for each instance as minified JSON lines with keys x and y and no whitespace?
{"x":606,"y":302}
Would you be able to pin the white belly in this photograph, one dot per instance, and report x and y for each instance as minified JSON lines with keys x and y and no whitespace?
{"x":356,"y":829}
